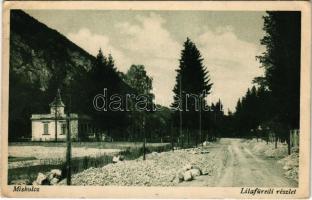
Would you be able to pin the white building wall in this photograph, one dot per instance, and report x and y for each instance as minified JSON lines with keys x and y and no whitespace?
{"x":38,"y":130}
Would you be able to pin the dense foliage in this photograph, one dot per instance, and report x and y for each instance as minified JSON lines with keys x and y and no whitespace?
{"x":275,"y":105}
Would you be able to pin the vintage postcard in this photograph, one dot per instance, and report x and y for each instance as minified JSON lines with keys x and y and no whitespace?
{"x":148,"y":99}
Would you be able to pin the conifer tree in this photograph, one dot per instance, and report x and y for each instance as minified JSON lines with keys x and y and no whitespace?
{"x":104,"y":76}
{"x":281,"y":62}
{"x":192,"y":79}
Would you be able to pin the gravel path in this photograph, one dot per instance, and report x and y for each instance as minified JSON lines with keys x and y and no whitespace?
{"x":242,"y":167}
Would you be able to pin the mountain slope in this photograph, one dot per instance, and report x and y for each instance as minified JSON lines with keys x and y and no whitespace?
{"x":39,"y":53}
{"x":41,"y":60}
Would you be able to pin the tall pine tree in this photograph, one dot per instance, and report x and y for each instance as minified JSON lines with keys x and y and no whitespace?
{"x":104,"y":75}
{"x":192,"y":79}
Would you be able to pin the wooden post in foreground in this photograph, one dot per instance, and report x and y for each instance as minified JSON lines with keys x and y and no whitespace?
{"x":180,"y":111}
{"x":171,"y":135}
{"x":144,"y":139}
{"x":55,"y":122}
{"x":200,"y":124}
{"x":68,"y":150}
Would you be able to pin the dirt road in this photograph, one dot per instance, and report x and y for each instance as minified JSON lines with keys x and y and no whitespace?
{"x":238,"y":167}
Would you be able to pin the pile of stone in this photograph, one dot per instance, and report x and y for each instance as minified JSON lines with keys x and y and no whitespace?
{"x":188,"y":173}
{"x":154,"y":153}
{"x":196,"y":150}
{"x":159,"y":169}
{"x":291,"y":166}
{"x":50,"y":178}
{"x":206,"y":143}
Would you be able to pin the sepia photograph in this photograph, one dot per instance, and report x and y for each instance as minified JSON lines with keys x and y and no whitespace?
{"x":157,"y":98}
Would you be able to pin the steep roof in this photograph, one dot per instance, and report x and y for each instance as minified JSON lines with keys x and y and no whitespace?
{"x":57,"y":102}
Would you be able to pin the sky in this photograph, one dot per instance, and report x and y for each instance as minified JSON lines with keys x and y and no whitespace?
{"x":228,"y":41}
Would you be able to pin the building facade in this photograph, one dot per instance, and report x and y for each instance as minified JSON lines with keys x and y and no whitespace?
{"x":53,"y":126}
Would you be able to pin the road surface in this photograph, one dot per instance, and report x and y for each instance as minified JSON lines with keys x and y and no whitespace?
{"x":237,"y":166}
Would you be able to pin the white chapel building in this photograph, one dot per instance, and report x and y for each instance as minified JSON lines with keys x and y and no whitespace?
{"x":53,"y":126}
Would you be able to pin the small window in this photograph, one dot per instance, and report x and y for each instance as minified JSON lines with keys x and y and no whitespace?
{"x":63,"y":129}
{"x":45,"y":129}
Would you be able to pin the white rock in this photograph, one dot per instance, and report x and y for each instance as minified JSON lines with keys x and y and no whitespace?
{"x":206,"y":143}
{"x":40,"y":178}
{"x":56,"y":172}
{"x":54,"y":181}
{"x":180,"y":177}
{"x":286,"y":167}
{"x":115,"y":159}
{"x":187,"y":176}
{"x":200,"y":171}
{"x":195,"y":172}
{"x":187,"y":167}
{"x":205,"y":173}
{"x":50,"y":176}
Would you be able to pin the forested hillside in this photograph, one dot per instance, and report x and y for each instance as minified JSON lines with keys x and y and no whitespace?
{"x":41,"y":60}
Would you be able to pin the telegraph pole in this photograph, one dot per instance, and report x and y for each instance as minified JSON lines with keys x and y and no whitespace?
{"x":171,"y":134}
{"x":144,"y":140}
{"x":180,"y":111}
{"x":68,"y":143}
{"x":55,"y":117}
{"x":143,"y":128}
{"x":200,"y":123}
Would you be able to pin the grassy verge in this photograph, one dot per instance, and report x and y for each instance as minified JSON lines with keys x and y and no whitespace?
{"x":17,"y":159}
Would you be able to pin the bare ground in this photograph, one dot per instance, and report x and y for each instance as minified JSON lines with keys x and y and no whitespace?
{"x":240,"y":167}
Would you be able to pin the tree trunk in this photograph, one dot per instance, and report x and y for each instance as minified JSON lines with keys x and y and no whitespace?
{"x":196,"y":140}
{"x":200,"y":126}
{"x":267,"y":137}
{"x":171,"y":136}
{"x":288,"y":142}
{"x":181,"y":140}
{"x":144,"y":148}
{"x":55,"y":124}
{"x":188,"y":137}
